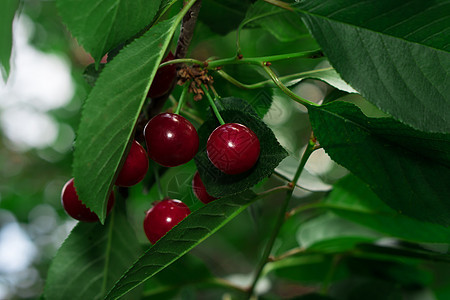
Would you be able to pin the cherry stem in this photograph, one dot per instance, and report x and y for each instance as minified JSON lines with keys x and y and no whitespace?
{"x":158,"y":182}
{"x":235,"y":60}
{"x":182,"y":61}
{"x":269,"y":82}
{"x":330,"y":274}
{"x":213,"y":105}
{"x":216,"y":95}
{"x":285,"y":89}
{"x":183,"y":98}
{"x":281,"y":217}
{"x":258,"y":60}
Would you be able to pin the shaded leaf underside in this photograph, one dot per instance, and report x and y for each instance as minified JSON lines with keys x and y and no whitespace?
{"x":405,"y":173}
{"x":396,"y":53}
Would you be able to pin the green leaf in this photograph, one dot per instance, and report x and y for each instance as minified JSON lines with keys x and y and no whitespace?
{"x":7,"y":12}
{"x":307,"y":180}
{"x":354,"y":201}
{"x":223,"y":16}
{"x":188,"y":270}
{"x":304,"y":268}
{"x":260,"y":98}
{"x":395,"y":52}
{"x":366,"y":288}
{"x":402,"y":273}
{"x":166,"y":5}
{"x":398,"y":253}
{"x":190,"y":232}
{"x":111,"y":111}
{"x":365,"y":106}
{"x":99,"y":26}
{"x":176,"y":183}
{"x":91,"y":259}
{"x":409,"y":170}
{"x":217,"y":183}
{"x":91,"y":73}
{"x":327,"y":75}
{"x":329,"y":227}
{"x":283,"y":24}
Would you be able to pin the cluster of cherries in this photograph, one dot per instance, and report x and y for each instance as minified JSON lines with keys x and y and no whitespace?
{"x":171,"y":141}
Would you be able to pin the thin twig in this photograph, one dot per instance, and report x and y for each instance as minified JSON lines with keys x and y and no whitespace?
{"x":280,"y":220}
{"x":287,"y":254}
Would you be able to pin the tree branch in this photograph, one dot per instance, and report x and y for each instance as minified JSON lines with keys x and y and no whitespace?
{"x":187,"y":30}
{"x":155,"y":105}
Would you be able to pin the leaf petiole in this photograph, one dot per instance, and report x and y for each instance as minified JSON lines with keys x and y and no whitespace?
{"x":158,"y":182}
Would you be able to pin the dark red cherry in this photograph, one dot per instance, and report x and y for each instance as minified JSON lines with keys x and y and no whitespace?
{"x":233,"y":148}
{"x":164,"y":78}
{"x":75,"y":208}
{"x":199,"y":189}
{"x":171,"y":139}
{"x":164,"y":216}
{"x":135,"y":166}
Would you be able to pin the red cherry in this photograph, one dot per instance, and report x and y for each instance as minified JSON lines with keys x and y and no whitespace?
{"x":163,"y":78}
{"x":75,"y":208}
{"x":233,"y":148}
{"x":171,"y":139}
{"x":135,"y":166}
{"x":164,"y":216}
{"x":200,"y":191}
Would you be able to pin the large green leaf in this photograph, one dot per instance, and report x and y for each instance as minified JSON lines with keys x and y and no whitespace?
{"x":353,"y":200}
{"x":111,"y":111}
{"x":91,"y":259}
{"x":182,"y":238}
{"x":101,"y":25}
{"x":329,"y":227}
{"x":395,"y":52}
{"x":234,"y":110}
{"x":406,"y":168}
{"x":7,"y":12}
{"x":304,"y":268}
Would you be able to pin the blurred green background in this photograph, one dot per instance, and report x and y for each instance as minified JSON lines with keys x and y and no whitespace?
{"x":40,"y":108}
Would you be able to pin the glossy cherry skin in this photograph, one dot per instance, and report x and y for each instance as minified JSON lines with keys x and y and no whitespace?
{"x":75,"y":208}
{"x":135,"y":166}
{"x":163,"y":78}
{"x":233,"y":148}
{"x":164,"y":216}
{"x":200,"y":191}
{"x":171,"y":139}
